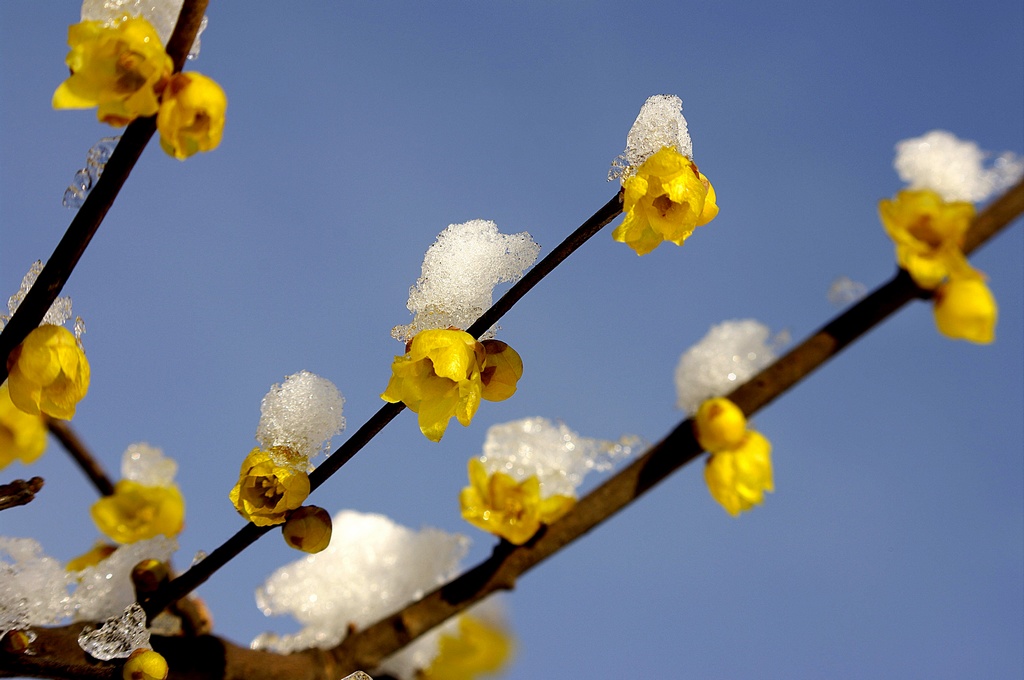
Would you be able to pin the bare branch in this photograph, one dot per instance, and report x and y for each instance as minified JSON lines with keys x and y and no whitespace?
{"x":77,"y":449}
{"x":19,"y":492}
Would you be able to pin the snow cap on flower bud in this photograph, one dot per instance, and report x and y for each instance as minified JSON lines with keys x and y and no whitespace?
{"x":145,"y":664}
{"x":719,"y":424}
{"x":308,"y":529}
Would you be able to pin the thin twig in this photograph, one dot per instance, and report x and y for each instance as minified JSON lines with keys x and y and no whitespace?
{"x":249,"y":534}
{"x":73,"y":444}
{"x":19,"y":492}
{"x":89,"y":217}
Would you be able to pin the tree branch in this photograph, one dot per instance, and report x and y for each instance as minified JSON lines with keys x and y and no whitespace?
{"x":19,"y":492}
{"x":71,"y":442}
{"x":89,"y":217}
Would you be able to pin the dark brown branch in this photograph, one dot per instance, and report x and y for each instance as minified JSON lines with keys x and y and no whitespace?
{"x":71,"y":442}
{"x":89,"y":217}
{"x":247,"y":535}
{"x":19,"y":492}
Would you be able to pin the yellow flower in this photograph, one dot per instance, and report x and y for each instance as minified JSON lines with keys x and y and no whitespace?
{"x":94,"y":556}
{"x":22,"y":435}
{"x":446,"y":372}
{"x":137,"y":512}
{"x":719,"y":424}
{"x":265,"y":491}
{"x":145,"y":664}
{"x":928,"y":233}
{"x":479,"y":648}
{"x":664,"y":201}
{"x":191,"y":117}
{"x":48,"y":373}
{"x":737,"y":478}
{"x":965,"y":309}
{"x":513,"y":510}
{"x":121,"y":68}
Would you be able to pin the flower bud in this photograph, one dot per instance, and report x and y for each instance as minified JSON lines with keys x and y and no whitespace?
{"x":16,"y":641}
{"x":719,"y":424}
{"x":145,"y":664}
{"x":148,"y":575}
{"x":308,"y":529}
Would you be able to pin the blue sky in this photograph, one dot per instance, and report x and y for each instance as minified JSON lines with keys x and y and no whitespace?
{"x":894,"y":544}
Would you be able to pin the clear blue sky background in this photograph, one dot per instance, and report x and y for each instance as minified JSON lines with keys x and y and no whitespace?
{"x":894,"y":544}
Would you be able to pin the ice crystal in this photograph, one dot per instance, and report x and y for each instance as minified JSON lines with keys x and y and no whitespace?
{"x":660,"y":123}
{"x":301,"y":414}
{"x":105,"y":589}
{"x":358,"y":675}
{"x":954,"y":168}
{"x":33,"y":586}
{"x":148,"y":465}
{"x":85,"y":178}
{"x":371,"y":568}
{"x":118,"y":637}
{"x":559,"y":457}
{"x":460,"y":271}
{"x":59,"y":312}
{"x":845,"y":290}
{"x":163,"y":14}
{"x":729,"y":355}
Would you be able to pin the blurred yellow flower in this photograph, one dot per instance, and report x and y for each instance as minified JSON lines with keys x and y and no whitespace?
{"x":928,"y":233}
{"x":507,"y":508}
{"x":48,"y":373}
{"x":120,"y":67}
{"x":191,"y":117}
{"x":137,"y":512}
{"x":738,"y":477}
{"x":965,"y":309}
{"x":22,"y":435}
{"x":265,"y":491}
{"x":145,"y":664}
{"x":94,"y":556}
{"x":479,"y":648}
{"x":719,"y":424}
{"x":446,"y":372}
{"x":664,"y":201}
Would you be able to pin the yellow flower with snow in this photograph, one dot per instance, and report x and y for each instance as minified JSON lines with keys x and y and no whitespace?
{"x":136,"y":512}
{"x":266,"y":491}
{"x":664,"y":200}
{"x":446,"y":372}
{"x":479,"y":648}
{"x":191,"y":117}
{"x":513,"y":510}
{"x":22,"y":435}
{"x":719,"y":424}
{"x":965,"y":309}
{"x":91,"y":558}
{"x":120,"y":67}
{"x":738,"y":477}
{"x":48,"y":373}
{"x":928,"y":233}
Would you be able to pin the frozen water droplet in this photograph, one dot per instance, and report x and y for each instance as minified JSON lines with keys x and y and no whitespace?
{"x":845,"y":291}
{"x":118,"y":637}
{"x":84,"y":179}
{"x":198,"y":557}
{"x":358,"y":675}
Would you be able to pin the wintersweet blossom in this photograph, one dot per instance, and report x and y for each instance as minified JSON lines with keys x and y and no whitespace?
{"x":719,"y":424}
{"x":121,"y":67}
{"x":446,"y":372}
{"x":928,"y":233}
{"x":479,"y":648}
{"x":965,"y":309}
{"x":513,"y":510}
{"x":22,"y":435}
{"x":96,"y":554}
{"x":191,"y":116}
{"x":136,"y":512}
{"x":664,"y":200}
{"x":738,"y":477}
{"x":266,"y":491}
{"x":48,"y":373}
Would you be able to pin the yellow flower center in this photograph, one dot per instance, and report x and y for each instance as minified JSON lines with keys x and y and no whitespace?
{"x":923,"y":230}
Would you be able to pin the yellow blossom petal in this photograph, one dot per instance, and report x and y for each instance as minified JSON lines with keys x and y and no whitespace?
{"x":92,"y":557}
{"x":506,"y":508}
{"x":664,"y":201}
{"x":965,"y":309}
{"x":22,"y":435}
{"x":49,"y":373}
{"x":737,"y":478}
{"x":137,"y":512}
{"x":443,"y":375}
{"x":479,"y":648}
{"x":719,"y":424}
{"x":265,"y":491}
{"x":928,"y":233}
{"x":191,"y":117}
{"x":120,"y":68}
